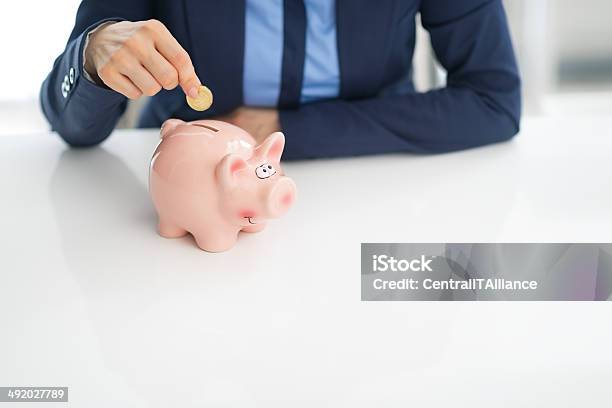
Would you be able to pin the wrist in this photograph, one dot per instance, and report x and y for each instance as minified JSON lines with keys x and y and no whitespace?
{"x":89,"y":67}
{"x":276,"y":121}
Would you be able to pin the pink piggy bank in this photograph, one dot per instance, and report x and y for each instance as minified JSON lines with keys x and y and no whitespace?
{"x":208,"y":178}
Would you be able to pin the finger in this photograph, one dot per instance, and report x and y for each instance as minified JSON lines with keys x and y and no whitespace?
{"x":122,"y":84}
{"x":189,"y":81}
{"x":140,"y":76}
{"x":176,"y":55}
{"x":163,"y":72}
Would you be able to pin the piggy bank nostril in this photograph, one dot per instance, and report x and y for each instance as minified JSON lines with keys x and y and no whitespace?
{"x":287,"y":199}
{"x":282,"y":197}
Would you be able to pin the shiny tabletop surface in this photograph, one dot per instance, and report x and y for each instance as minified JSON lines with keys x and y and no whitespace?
{"x":93,"y":299}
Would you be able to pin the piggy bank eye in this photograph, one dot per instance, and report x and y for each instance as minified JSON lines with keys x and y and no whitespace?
{"x":265,"y":171}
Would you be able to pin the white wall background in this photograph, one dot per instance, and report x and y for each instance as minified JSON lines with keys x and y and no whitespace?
{"x":32,"y":35}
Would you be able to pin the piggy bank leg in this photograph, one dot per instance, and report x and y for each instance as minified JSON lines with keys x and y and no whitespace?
{"x":218,"y":242}
{"x":254,"y":227}
{"x":169,"y":230}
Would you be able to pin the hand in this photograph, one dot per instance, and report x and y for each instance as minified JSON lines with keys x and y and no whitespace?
{"x":259,"y":122}
{"x":136,"y":58}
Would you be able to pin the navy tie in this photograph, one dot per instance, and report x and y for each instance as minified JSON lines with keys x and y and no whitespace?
{"x":294,"y":50}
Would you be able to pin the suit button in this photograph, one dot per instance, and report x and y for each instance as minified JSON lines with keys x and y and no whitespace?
{"x":71,"y":75}
{"x":66,"y":86}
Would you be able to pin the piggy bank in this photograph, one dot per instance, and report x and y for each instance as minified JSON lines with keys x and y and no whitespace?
{"x":208,"y":178}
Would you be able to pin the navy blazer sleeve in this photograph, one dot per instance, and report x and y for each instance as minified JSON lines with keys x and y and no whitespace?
{"x":481,"y":103}
{"x":89,"y":112}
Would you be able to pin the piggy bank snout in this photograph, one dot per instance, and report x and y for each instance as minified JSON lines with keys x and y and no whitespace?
{"x":281,"y":197}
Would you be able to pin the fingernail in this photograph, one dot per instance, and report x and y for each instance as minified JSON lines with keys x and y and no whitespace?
{"x":193,"y":92}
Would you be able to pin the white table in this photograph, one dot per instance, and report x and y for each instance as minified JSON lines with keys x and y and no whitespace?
{"x":93,"y":299}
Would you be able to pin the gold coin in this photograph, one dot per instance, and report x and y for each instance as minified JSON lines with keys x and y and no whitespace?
{"x":203,"y":101}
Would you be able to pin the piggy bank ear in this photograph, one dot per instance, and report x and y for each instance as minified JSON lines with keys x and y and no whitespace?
{"x":227,"y":169}
{"x":271,"y":149}
{"x":169,"y":126}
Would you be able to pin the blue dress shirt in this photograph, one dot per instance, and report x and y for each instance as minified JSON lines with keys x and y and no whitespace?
{"x":263,"y":52}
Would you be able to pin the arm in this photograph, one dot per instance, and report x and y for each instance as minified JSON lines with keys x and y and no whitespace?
{"x":480,"y":104}
{"x":82,"y":112}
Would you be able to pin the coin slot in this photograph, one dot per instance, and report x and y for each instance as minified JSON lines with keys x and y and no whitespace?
{"x":205,"y":126}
